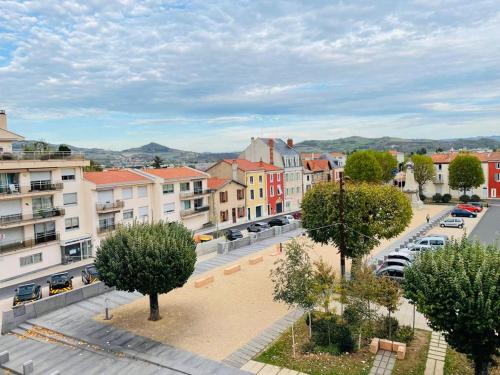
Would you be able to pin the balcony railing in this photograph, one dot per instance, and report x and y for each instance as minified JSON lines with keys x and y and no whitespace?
{"x":29,"y":242}
{"x":37,"y":215}
{"x":194,"y":211}
{"x":111,"y":206}
{"x":16,"y":189}
{"x":193,"y":193}
{"x":42,"y":155}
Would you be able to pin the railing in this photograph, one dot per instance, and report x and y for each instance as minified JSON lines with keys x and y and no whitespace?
{"x":42,"y":155}
{"x":194,"y":211}
{"x":15,"y":189}
{"x":116,"y":205}
{"x":106,"y":225}
{"x":46,"y":186}
{"x":29,"y":242}
{"x":193,"y":193}
{"x":37,"y":215}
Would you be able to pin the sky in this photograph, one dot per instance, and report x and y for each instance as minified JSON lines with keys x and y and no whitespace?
{"x":209,"y":75}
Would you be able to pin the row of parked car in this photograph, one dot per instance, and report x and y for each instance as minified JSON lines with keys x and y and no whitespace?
{"x":234,"y":234}
{"x":58,"y":283}
{"x":467,"y":209}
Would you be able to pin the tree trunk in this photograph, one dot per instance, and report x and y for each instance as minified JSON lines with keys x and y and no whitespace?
{"x":342,"y":265}
{"x":310,"y":325}
{"x":154,"y":309}
{"x":481,"y":367}
{"x":293,"y":340}
{"x":390,"y":326}
{"x":420,"y":190}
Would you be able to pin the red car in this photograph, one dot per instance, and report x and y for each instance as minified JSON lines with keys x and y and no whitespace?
{"x":469,"y":208}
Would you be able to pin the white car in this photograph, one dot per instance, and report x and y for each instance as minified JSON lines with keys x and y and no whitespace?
{"x":429,"y":241}
{"x":452,"y":222}
{"x":290,"y":218}
{"x":394,"y":272}
{"x":402,"y":254}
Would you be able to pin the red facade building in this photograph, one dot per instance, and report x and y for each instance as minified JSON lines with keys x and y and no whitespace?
{"x":493,"y":177}
{"x":275,"y":191}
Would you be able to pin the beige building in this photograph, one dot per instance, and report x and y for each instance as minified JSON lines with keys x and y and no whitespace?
{"x":41,"y":206}
{"x":227,"y":202}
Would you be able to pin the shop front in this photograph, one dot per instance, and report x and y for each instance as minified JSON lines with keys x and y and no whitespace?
{"x":75,"y":250}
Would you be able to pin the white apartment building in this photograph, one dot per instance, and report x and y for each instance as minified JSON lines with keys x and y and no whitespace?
{"x":41,"y":200}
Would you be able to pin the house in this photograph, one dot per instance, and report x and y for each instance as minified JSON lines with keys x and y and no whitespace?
{"x":256,"y":177}
{"x":307,"y":179}
{"x":493,"y":176}
{"x":282,"y":154}
{"x":41,"y":205}
{"x":398,"y":155}
{"x":321,"y":170}
{"x":338,"y":158}
{"x":226,"y":201}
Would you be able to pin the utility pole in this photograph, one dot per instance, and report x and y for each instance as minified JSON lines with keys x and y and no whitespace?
{"x":343,"y":247}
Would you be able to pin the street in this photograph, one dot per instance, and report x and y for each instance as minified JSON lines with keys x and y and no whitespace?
{"x":487,"y":230}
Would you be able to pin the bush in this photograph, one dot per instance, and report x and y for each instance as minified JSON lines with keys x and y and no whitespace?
{"x":382,"y":327}
{"x":422,"y":197}
{"x":352,"y":316}
{"x":437,"y":198}
{"x":464,"y":198}
{"x":404,"y":334}
{"x":446,"y":198}
{"x":475,"y":198}
{"x":331,"y":336}
{"x":343,"y":338}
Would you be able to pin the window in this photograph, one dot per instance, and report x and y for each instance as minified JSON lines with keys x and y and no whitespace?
{"x":185,"y":186}
{"x":240,"y":194}
{"x":241,"y":211}
{"x":497,"y":165}
{"x":127,"y":193}
{"x":272,"y":191}
{"x":168,"y":208}
{"x":45,"y":232}
{"x":251,"y":179}
{"x":168,"y":188}
{"x":497,"y":177}
{"x":68,"y":174}
{"x":261,"y":193}
{"x":271,"y":177}
{"x":279,"y":190}
{"x":198,"y":203}
{"x":223,"y":196}
{"x":287,"y":177}
{"x":224,"y":216}
{"x":42,"y":203}
{"x":252,"y":194}
{"x":279,"y":177}
{"x":142,"y":191}
{"x":260,"y":179}
{"x":72,"y":223}
{"x":143,"y":212}
{"x":30,"y":259}
{"x":440,"y":166}
{"x":186,"y":205}
{"x":128,"y":214}
{"x":69,"y":199}
{"x":299,"y":189}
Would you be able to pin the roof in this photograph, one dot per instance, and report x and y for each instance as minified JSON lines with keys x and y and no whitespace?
{"x":394,"y":152}
{"x":318,"y":165}
{"x":114,"y":176}
{"x":336,"y":154}
{"x":247,"y":165}
{"x":281,"y":147}
{"x":310,"y":155}
{"x":176,"y":173}
{"x":216,"y":183}
{"x":448,"y":157}
{"x":6,"y":135}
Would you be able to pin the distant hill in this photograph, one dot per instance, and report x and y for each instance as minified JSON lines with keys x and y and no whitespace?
{"x":406,"y":145}
{"x":150,"y":148}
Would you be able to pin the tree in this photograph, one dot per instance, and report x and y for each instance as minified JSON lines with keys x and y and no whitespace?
{"x":324,"y":283}
{"x":422,"y":151}
{"x":64,"y":148}
{"x":363,"y":166}
{"x":458,"y":290}
{"x":388,"y":164}
{"x":465,"y":172}
{"x":388,"y":294}
{"x":151,"y":258}
{"x":157,"y":162}
{"x":370,"y":213}
{"x":423,"y":170}
{"x":364,"y":286}
{"x":293,"y":279}
{"x":93,"y":167}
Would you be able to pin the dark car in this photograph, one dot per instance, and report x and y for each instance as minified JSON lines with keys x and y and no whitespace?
{"x":459,"y":212}
{"x":278,"y":222}
{"x":90,"y":274}
{"x":27,"y":293}
{"x":297,"y":215}
{"x":233,"y":234}
{"x":60,"y":283}
{"x":258,"y":227}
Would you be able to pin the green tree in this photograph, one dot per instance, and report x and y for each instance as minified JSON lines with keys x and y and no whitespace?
{"x":64,"y":148}
{"x":458,"y":290}
{"x":157,"y":162}
{"x":388,"y":294}
{"x":363,"y":166}
{"x":93,"y":167}
{"x":324,"y":283}
{"x":371,"y":213}
{"x":423,"y":170}
{"x":465,"y":172}
{"x":388,"y":164}
{"x":151,"y":258}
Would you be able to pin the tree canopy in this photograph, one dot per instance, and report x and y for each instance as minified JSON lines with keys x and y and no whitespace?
{"x":93,"y":167}
{"x":151,"y":258}
{"x":465,"y":172}
{"x":423,"y":170}
{"x":363,"y":166}
{"x":157,"y":162}
{"x":458,"y":290}
{"x":388,"y":164}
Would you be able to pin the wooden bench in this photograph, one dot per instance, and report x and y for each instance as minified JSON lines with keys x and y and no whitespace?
{"x":204,"y":281}
{"x":232,"y":269}
{"x":256,"y":260}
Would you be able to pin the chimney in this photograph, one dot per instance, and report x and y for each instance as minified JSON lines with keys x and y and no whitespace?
{"x":289,"y":142}
{"x":3,"y":119}
{"x":234,"y":166}
{"x":271,"y":151}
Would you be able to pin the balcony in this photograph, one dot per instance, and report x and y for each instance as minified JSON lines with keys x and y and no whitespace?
{"x":41,"y":155}
{"x":438,"y":180}
{"x":15,"y":190}
{"x":194,"y":211}
{"x":193,"y":193}
{"x":101,"y":229}
{"x":29,"y":242}
{"x":41,"y":214}
{"x":110,"y":206}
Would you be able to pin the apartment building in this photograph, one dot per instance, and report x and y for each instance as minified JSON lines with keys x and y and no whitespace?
{"x":320,"y":169}
{"x":226,"y":202}
{"x":41,"y":205}
{"x":307,"y":179}
{"x":116,"y":196}
{"x":180,"y":194}
{"x":276,"y":152}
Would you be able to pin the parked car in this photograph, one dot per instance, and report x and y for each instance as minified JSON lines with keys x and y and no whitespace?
{"x":290,"y":218}
{"x":394,"y":272}
{"x":401,"y":254}
{"x":393,"y":262}
{"x":476,"y":204}
{"x":27,"y":293}
{"x":60,"y":283}
{"x":459,"y":212}
{"x":297,"y":215}
{"x":429,"y":241}
{"x":233,"y":234}
{"x":469,"y":207}
{"x":90,"y":274}
{"x":452,"y":222}
{"x":258,"y":227}
{"x":278,"y":222}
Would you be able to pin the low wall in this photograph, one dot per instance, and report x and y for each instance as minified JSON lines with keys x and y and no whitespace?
{"x":20,"y":314}
{"x":206,"y":247}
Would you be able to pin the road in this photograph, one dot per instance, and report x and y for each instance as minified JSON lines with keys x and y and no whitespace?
{"x":487,"y":230}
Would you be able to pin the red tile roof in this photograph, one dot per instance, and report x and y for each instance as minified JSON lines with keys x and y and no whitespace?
{"x":448,"y":157}
{"x":318,"y":165}
{"x":217,"y":183}
{"x":114,"y":176}
{"x":337,"y":154}
{"x":175,"y":173}
{"x":247,"y":165}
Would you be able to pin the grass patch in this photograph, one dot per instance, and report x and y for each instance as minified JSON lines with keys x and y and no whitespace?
{"x":280,"y":354}
{"x":457,"y":363}
{"x":416,"y":355}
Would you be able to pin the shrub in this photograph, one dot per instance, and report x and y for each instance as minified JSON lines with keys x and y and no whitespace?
{"x":343,"y":339}
{"x":352,"y":316}
{"x":331,"y":336}
{"x":437,"y":198}
{"x":475,"y":198}
{"x":464,"y":198}
{"x":446,"y":198}
{"x":382,"y":327}
{"x":404,"y":334}
{"x":422,"y":197}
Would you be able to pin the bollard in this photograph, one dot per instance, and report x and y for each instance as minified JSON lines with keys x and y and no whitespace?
{"x":4,"y":357}
{"x":108,"y":315}
{"x":28,"y":368}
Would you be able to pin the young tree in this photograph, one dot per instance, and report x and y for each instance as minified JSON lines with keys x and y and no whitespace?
{"x":364,"y":285}
{"x":363,"y":166}
{"x":465,"y":172}
{"x":324,"y":283}
{"x":388,"y":164}
{"x":293,"y":279}
{"x":157,"y":162}
{"x":388,"y":294}
{"x":423,"y":170}
{"x":458,"y":290}
{"x":370,"y":213}
{"x":152,"y":258}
